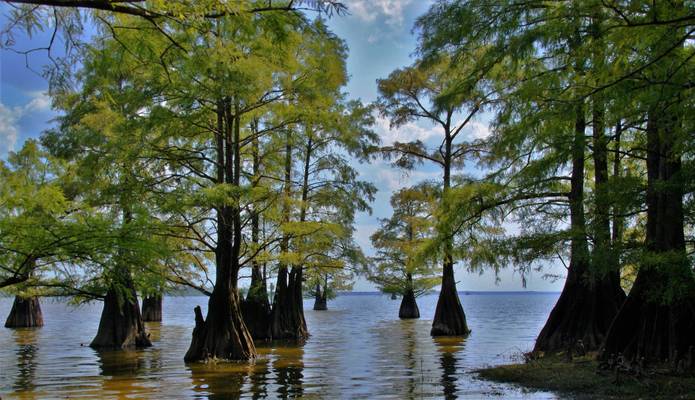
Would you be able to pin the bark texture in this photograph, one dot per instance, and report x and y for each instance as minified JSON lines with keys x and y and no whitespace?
{"x":223,"y":334}
{"x":408,"y":307}
{"x":256,"y":307}
{"x":121,"y":325}
{"x":152,"y":308}
{"x":25,"y":313}
{"x":288,"y":321}
{"x":589,"y":300}
{"x":449,"y":318}
{"x":657,"y":321}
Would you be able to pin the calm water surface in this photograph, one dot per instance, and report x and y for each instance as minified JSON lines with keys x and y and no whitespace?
{"x":357,"y":349}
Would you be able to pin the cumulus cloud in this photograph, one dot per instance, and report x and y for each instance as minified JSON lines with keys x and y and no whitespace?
{"x":40,"y":102}
{"x":392,"y":11}
{"x":10,"y":118}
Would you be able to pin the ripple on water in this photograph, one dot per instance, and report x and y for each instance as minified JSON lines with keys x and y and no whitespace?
{"x":357,"y":349}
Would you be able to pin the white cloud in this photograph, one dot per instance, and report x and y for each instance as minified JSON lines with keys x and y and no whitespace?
{"x":39,"y":103}
{"x":369,"y":10}
{"x":9,"y":117}
{"x":406,"y":133}
{"x":478,"y":130}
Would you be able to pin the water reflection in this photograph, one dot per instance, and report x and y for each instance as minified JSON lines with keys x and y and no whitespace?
{"x":222,"y":380}
{"x":26,"y":343}
{"x":448,"y":347}
{"x":288,"y":364}
{"x":358,"y":349}
{"x":259,"y":378}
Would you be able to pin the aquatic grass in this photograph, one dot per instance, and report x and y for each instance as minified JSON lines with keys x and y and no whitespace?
{"x":582,"y":379}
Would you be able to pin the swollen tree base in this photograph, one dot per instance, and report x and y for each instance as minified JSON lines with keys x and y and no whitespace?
{"x":152,"y":308}
{"x":320,"y":304}
{"x":449,"y":318}
{"x":223,"y":335}
{"x":256,"y":312}
{"x":320,"y":300}
{"x":288,"y":321}
{"x":121,"y":325}
{"x":648,"y":329}
{"x":409,"y":307}
{"x":25,"y":313}
{"x":581,"y":317}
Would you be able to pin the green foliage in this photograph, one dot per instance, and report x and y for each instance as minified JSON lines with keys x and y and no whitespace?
{"x":396,"y":268}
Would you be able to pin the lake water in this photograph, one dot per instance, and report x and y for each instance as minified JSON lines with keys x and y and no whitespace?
{"x":357,"y":349}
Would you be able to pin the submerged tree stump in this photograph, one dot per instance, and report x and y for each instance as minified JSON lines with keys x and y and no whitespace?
{"x":121,"y":325}
{"x":25,"y":313}
{"x":409,"y":307}
{"x":152,"y":308}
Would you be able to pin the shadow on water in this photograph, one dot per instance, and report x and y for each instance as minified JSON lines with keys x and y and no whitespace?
{"x":26,"y":340}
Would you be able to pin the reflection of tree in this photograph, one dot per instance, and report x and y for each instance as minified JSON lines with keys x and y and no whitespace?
{"x":411,"y":364}
{"x":259,"y":379}
{"x":26,"y":353}
{"x":289,"y":369}
{"x":448,"y":347}
{"x":219,"y":381}
{"x":121,"y":370}
{"x":120,"y":363}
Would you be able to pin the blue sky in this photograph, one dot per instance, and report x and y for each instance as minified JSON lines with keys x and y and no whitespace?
{"x":378,"y":34}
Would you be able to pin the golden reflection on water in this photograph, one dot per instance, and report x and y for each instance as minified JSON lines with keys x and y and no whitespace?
{"x":358,"y":349}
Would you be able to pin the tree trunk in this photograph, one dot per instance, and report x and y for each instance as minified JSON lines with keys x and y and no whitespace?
{"x":256,"y":307}
{"x":152,"y":308}
{"x":589,"y":300}
{"x":657,"y":321}
{"x":288,"y":321}
{"x":25,"y":313}
{"x":121,"y":325}
{"x":223,"y":334}
{"x":320,"y":301}
{"x":449,"y":318}
{"x":409,"y":307}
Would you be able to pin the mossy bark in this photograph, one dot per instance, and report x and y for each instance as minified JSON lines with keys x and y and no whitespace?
{"x":25,"y":313}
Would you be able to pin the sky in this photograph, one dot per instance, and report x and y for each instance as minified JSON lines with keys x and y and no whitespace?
{"x":380,"y":39}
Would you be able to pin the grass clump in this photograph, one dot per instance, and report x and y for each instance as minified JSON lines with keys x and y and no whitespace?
{"x":582,"y":378}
